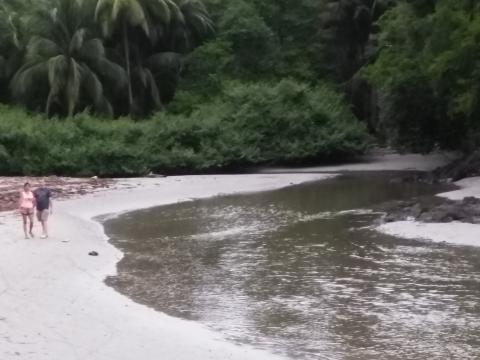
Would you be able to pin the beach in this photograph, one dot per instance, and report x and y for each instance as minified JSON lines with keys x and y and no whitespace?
{"x":53,"y":300}
{"x":55,"y":305}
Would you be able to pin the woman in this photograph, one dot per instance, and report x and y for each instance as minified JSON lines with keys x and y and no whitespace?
{"x":27,"y":206}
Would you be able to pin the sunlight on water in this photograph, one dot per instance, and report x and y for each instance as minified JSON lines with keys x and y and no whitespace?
{"x":300,"y":272}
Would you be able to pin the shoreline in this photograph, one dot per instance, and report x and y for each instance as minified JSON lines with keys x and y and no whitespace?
{"x":53,"y":300}
{"x":375,"y":161}
{"x":455,"y":233}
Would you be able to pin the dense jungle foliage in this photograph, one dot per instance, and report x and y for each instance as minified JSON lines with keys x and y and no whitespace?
{"x":124,"y":87}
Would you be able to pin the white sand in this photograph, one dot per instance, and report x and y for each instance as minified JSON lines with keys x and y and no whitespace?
{"x":379,"y":162}
{"x":55,"y":306}
{"x":454,"y":233}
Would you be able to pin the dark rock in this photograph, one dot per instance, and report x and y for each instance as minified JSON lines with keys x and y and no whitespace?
{"x":93,"y":253}
{"x":467,"y":166}
{"x":471,"y":200}
{"x":438,"y":210}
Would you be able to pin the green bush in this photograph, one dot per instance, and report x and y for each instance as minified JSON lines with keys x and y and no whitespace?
{"x":248,"y":124}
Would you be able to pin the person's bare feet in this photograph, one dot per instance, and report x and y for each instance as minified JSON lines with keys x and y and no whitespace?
{"x":31,"y":235}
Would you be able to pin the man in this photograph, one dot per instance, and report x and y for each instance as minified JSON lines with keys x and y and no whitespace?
{"x":44,"y":207}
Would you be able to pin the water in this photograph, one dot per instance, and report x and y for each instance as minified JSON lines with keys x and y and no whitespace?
{"x":300,"y":272}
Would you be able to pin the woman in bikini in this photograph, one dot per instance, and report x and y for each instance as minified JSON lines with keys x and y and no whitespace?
{"x":27,"y":206}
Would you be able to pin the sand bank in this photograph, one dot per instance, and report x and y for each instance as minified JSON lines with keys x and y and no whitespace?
{"x":55,"y":306}
{"x":454,"y":233}
{"x":378,"y":161}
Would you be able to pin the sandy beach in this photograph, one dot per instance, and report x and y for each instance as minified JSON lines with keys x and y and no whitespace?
{"x":54,"y":304}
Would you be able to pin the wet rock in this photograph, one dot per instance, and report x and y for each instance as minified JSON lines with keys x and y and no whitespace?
{"x":466,"y":166}
{"x":93,"y":253}
{"x":435,"y":211}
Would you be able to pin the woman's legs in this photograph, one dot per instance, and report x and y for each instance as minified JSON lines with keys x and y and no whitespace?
{"x":25,"y":216}
{"x":30,"y":216}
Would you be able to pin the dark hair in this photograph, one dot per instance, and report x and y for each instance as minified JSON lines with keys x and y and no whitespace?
{"x":25,"y":185}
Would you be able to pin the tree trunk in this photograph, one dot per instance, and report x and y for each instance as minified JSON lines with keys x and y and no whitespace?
{"x":126,"y":49}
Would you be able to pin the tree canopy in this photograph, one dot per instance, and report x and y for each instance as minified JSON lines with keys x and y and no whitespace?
{"x":109,"y":56}
{"x":407,"y":68}
{"x":428,"y":70}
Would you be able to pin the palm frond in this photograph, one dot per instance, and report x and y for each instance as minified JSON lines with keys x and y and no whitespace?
{"x":166,"y":61}
{"x":92,"y":86}
{"x":135,"y":15}
{"x":27,"y":78}
{"x":158,"y":10}
{"x":77,"y":41}
{"x":72,"y":91}
{"x":92,"y":49}
{"x":40,"y":47}
{"x":57,"y":73}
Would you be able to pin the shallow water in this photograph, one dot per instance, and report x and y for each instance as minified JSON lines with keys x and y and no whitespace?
{"x":299,"y":272}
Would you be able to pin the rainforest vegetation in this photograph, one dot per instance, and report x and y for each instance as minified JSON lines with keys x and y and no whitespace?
{"x":125,"y":87}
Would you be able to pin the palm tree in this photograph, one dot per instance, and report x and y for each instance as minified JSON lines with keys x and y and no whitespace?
{"x":121,"y":15}
{"x":13,"y":38}
{"x":155,"y":80}
{"x":66,"y":59}
{"x":192,"y":25}
{"x":161,"y":29}
{"x":157,"y":71}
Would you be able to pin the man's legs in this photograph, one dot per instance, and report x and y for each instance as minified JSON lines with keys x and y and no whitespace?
{"x":43,"y":218}
{"x":45,"y":228}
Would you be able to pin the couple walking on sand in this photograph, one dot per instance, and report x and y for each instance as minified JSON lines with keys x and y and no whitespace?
{"x":40,"y":199}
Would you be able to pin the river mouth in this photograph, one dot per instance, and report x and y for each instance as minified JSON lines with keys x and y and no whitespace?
{"x":300,"y":272}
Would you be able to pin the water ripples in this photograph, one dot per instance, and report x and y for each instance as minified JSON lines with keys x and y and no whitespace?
{"x":300,"y":272}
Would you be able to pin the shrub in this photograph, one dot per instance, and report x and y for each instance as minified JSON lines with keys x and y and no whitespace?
{"x":258,"y":123}
{"x":248,"y":124}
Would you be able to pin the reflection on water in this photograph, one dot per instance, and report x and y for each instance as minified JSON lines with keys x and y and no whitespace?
{"x":299,"y":272}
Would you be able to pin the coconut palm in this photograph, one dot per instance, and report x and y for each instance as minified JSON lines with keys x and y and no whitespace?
{"x":66,"y":60}
{"x":156,"y":73}
{"x":125,"y":15}
{"x":153,"y":33}
{"x":154,"y":81}
{"x":194,"y":26}
{"x":13,"y":38}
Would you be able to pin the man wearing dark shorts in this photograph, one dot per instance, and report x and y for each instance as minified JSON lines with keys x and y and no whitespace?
{"x":44,"y":208}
